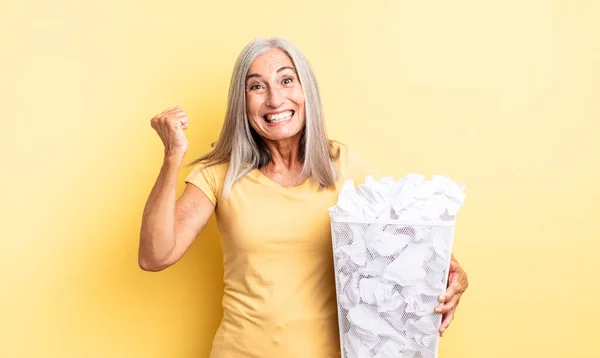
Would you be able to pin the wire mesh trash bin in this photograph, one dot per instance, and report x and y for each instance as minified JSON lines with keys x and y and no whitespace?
{"x":389,"y":275}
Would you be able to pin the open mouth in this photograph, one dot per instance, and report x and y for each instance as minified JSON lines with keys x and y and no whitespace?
{"x":279,"y":117}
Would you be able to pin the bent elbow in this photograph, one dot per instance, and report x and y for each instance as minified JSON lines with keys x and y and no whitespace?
{"x":150,"y":265}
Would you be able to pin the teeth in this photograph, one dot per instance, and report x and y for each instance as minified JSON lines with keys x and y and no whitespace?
{"x":279,"y":117}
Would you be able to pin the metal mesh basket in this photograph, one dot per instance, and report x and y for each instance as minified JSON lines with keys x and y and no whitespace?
{"x":389,"y":276}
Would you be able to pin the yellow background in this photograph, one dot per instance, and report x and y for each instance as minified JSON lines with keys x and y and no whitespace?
{"x":502,"y":96}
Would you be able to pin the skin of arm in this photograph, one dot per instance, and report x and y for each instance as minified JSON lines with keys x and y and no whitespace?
{"x":170,"y":225}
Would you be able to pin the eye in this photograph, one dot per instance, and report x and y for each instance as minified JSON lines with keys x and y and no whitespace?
{"x":255,"y":87}
{"x":287,"y":80}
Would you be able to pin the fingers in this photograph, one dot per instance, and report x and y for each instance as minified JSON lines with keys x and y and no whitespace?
{"x":448,"y":306}
{"x":458,"y":275}
{"x":182,"y":118}
{"x":457,"y":284}
{"x":446,"y":320}
{"x":173,"y":117}
{"x":170,"y":124}
{"x":179,"y":115}
{"x":450,"y":292}
{"x":451,"y":297}
{"x":454,"y":288}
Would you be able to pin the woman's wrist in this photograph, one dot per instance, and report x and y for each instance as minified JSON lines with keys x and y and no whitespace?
{"x":174,"y":157}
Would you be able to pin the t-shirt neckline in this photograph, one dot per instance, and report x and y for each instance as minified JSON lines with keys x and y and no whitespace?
{"x":265,"y":179}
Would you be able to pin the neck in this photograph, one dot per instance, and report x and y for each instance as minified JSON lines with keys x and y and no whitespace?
{"x":285,"y":154}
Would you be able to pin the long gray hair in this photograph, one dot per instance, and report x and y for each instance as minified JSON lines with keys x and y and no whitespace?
{"x":242,"y":147}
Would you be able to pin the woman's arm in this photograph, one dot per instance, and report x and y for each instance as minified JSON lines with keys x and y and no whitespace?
{"x":170,"y":225}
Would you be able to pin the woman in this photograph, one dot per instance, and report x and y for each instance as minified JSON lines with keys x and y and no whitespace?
{"x":270,"y":179}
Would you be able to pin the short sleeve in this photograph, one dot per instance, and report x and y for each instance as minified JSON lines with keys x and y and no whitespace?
{"x":355,"y":167}
{"x":209,"y":179}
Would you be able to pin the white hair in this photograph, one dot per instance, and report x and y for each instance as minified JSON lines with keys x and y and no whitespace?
{"x":242,"y":147}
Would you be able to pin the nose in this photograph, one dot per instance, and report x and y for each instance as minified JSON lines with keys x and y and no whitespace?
{"x":274,"y":97}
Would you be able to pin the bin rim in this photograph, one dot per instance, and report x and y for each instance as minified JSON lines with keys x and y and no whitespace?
{"x":349,"y":219}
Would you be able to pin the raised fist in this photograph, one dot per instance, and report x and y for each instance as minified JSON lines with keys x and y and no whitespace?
{"x":170,"y":125}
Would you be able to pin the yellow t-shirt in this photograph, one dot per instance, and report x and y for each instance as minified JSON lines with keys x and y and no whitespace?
{"x":279,"y":299}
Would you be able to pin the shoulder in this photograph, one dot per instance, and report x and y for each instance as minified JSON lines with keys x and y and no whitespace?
{"x":216,"y":170}
{"x":208,"y":177}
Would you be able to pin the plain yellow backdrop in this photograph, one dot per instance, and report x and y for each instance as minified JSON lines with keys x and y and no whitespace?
{"x":502,"y":96}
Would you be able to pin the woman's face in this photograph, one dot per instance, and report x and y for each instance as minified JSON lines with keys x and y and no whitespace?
{"x":274,"y":97}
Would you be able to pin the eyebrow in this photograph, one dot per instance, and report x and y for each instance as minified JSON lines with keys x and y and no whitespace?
{"x":279,"y":70}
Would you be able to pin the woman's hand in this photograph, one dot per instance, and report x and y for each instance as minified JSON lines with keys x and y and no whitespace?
{"x":457,"y":284}
{"x":170,"y":125}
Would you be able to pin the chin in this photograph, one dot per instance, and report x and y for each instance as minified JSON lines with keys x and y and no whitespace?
{"x":283,"y":136}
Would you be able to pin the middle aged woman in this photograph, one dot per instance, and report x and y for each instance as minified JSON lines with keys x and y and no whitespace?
{"x":269,"y":179}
